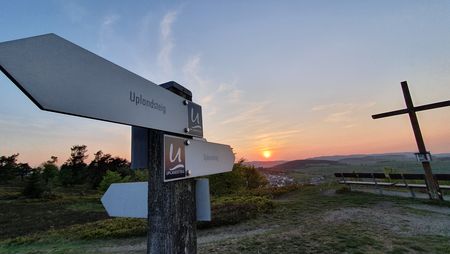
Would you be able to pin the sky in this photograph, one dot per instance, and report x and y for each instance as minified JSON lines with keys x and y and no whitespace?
{"x":292,"y":79}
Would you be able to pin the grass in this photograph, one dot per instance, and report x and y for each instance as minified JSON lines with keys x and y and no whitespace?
{"x":302,"y":229}
{"x":20,"y":217}
{"x":295,"y":222}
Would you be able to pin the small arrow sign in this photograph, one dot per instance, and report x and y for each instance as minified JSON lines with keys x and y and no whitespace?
{"x":187,"y":158}
{"x":130,"y":200}
{"x":126,"y":200}
{"x":62,"y":77}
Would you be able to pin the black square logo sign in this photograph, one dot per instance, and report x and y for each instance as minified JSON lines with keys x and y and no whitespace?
{"x":174,"y":158}
{"x":195,"y":121}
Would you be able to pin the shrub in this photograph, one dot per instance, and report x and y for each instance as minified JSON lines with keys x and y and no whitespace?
{"x":109,"y":228}
{"x":343,"y":190}
{"x":110,"y":178}
{"x":34,"y":188}
{"x":234,"y":209}
{"x":49,"y":171}
{"x":241,"y":178}
{"x":103,"y":229}
{"x":273,"y":192}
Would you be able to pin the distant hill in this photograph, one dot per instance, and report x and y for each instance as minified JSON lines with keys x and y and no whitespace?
{"x":368,"y":157}
{"x":357,"y":159}
{"x":340,"y":160}
{"x":299,"y":164}
{"x":263,"y":164}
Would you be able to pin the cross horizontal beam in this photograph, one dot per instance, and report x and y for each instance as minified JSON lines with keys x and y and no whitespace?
{"x":415,"y":109}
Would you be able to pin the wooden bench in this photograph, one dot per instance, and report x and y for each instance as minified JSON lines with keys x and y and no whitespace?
{"x":380,"y":180}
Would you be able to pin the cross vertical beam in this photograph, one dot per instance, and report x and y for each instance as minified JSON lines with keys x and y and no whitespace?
{"x":432,"y":184}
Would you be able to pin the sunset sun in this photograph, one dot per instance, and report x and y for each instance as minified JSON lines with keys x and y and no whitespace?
{"x":267,"y":154}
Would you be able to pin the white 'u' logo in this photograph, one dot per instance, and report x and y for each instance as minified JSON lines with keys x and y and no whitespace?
{"x":196,"y":119}
{"x":177,"y":155}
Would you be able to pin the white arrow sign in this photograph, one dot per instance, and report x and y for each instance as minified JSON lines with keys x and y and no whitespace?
{"x":187,"y":158}
{"x":62,"y":77}
{"x":130,"y":200}
{"x":126,"y":200}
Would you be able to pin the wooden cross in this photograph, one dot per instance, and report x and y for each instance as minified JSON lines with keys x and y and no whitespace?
{"x":433,"y":186}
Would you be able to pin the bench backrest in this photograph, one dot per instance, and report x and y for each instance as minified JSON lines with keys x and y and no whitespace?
{"x":407,"y":176}
{"x":360,"y":175}
{"x":395,"y":176}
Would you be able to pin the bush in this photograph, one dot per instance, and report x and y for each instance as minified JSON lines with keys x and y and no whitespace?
{"x":49,"y":171}
{"x":273,"y":192}
{"x":109,"y":228}
{"x":110,"y":178}
{"x":34,"y":187}
{"x":234,"y":209}
{"x":343,"y":190}
{"x":241,"y":178}
{"x":103,"y":229}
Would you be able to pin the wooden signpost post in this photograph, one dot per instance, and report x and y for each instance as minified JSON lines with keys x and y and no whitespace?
{"x":62,"y":77}
{"x":423,"y":155}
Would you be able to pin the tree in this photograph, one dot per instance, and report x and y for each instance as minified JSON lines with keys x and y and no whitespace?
{"x":98,"y":168}
{"x":240,"y":178}
{"x":109,"y":178}
{"x":34,"y":186}
{"x":103,"y":163}
{"x":252,"y":178}
{"x":8,"y":167}
{"x":229,"y":182}
{"x":23,"y":169}
{"x":50,"y":169}
{"x":73,"y":171}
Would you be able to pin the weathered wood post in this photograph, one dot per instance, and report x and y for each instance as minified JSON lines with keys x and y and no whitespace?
{"x":171,"y":205}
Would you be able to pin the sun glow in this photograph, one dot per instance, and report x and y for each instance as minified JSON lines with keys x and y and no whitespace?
{"x":267,"y":154}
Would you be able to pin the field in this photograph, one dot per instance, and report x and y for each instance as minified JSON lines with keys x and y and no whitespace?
{"x":312,"y":219}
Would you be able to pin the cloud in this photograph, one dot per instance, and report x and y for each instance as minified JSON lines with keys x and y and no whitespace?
{"x":167,"y":42}
{"x":339,"y":117}
{"x":333,"y":106}
{"x":191,"y":70}
{"x":278,"y":134}
{"x":109,"y":20}
{"x":246,"y":115}
{"x":74,"y":11}
{"x":106,"y":31}
{"x":346,"y":114}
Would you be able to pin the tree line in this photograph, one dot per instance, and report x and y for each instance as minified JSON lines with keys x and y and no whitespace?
{"x":74,"y":171}
{"x":103,"y":170}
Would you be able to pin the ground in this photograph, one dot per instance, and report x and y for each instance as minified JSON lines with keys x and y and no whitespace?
{"x":314,"y":219}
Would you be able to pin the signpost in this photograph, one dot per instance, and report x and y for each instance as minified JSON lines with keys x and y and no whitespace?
{"x":62,"y":77}
{"x":423,"y":156}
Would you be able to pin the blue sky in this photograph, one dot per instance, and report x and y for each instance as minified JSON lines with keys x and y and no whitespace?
{"x":298,"y":78}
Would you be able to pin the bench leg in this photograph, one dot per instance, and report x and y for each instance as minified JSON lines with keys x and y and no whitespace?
{"x":377,"y":186}
{"x":345,"y":182}
{"x":409,"y":188}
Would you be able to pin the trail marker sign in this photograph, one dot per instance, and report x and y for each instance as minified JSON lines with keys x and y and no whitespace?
{"x":188,"y":158}
{"x":62,"y":77}
{"x":130,"y":200}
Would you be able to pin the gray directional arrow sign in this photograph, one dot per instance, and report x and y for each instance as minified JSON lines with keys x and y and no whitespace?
{"x":187,"y":158}
{"x":62,"y":77}
{"x":126,"y":200}
{"x":130,"y":200}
